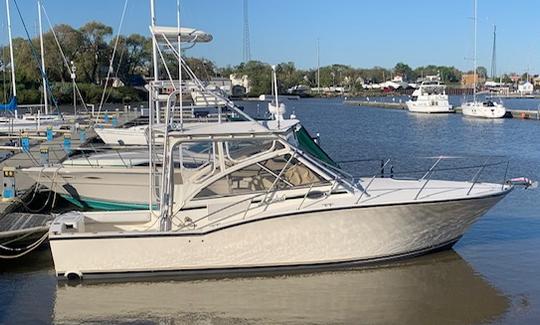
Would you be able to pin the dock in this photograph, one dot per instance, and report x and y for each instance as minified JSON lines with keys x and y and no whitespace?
{"x":25,"y":226}
{"x":510,"y":113}
{"x":388,"y":105}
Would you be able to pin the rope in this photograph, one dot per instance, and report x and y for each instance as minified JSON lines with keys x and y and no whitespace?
{"x":24,"y":250}
{"x":27,"y":204}
{"x":112,"y":60}
{"x":66,"y":63}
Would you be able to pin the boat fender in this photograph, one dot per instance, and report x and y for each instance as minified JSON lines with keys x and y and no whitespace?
{"x":73,"y":276}
{"x":522,"y":181}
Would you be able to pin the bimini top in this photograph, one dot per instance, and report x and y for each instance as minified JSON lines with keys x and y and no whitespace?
{"x":188,"y":35}
{"x":247,"y":129}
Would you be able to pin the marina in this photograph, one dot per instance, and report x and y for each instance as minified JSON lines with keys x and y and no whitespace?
{"x":145,"y":183}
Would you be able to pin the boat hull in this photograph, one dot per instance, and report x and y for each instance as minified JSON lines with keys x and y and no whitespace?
{"x":130,"y":136}
{"x":494,"y":112}
{"x":109,"y":189}
{"x":420,"y":107}
{"x":317,"y":239}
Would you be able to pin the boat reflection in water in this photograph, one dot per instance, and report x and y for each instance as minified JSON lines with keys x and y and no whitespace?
{"x":439,"y":288}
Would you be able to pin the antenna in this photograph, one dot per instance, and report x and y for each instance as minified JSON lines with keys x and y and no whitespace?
{"x":494,"y":54}
{"x":247,"y":49}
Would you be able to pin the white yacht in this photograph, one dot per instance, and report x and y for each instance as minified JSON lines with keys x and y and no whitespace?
{"x":483,"y":109}
{"x":430,"y":97}
{"x":260,"y":202}
{"x":476,"y":108}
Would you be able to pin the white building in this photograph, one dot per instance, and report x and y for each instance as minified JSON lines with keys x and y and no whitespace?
{"x":525,"y":88}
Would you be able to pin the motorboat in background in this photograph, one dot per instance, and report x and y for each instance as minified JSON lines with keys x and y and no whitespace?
{"x":476,"y":108}
{"x":430,"y":97}
{"x":484,"y":109}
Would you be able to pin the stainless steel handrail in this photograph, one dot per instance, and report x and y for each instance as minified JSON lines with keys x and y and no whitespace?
{"x":371,"y":181}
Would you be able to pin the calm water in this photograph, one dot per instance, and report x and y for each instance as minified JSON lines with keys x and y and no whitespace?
{"x":491,"y":277}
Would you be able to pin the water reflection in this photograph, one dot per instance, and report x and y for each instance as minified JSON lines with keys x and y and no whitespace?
{"x":440,"y":288}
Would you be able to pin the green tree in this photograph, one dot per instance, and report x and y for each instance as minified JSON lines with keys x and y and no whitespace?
{"x":96,"y":52}
{"x":482,"y":72}
{"x":404,"y":70}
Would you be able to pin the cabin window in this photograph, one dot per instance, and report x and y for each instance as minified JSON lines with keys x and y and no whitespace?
{"x":277,"y":173}
{"x":240,"y":150}
{"x":195,"y":155}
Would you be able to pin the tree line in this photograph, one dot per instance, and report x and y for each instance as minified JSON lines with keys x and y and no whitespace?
{"x":89,"y":50}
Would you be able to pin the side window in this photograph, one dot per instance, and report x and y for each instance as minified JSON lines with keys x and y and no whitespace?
{"x":277,"y":173}
{"x":194,"y":155}
{"x":238,"y":150}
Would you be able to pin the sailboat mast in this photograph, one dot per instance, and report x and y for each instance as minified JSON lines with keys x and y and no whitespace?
{"x":475,"y":75}
{"x":11,"y":50}
{"x":45,"y":97}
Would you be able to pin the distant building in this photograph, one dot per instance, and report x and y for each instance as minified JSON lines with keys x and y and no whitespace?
{"x":241,"y":81}
{"x":468,"y":80}
{"x":536,"y":81}
{"x":525,"y":88}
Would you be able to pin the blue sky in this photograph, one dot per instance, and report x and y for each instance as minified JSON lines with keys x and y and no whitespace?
{"x":354,"y":32}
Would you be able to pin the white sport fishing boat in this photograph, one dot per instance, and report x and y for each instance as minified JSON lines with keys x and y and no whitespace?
{"x":262,"y":203}
{"x":476,"y":108}
{"x":430,"y":97}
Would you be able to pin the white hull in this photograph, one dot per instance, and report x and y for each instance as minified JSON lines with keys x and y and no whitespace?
{"x":429,"y":107}
{"x":317,"y":238}
{"x":15,"y":125}
{"x":136,"y":135}
{"x":479,"y":110}
{"x":111,"y":188}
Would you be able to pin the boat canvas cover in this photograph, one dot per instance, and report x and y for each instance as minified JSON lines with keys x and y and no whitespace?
{"x":306,"y":143}
{"x":188,"y":35}
{"x":11,"y":106}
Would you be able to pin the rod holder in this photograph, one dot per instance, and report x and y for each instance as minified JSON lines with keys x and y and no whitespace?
{"x":9,"y":192}
{"x":44,"y":155}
